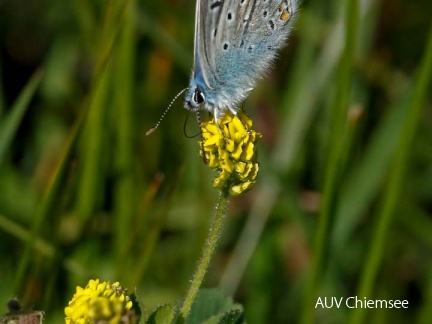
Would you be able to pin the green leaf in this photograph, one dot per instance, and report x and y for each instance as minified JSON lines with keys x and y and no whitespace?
{"x":10,"y":124}
{"x":211,"y":306}
{"x":233,"y":316}
{"x":162,"y":315}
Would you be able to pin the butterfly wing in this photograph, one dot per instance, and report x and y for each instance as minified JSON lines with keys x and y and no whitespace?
{"x":235,"y":42}
{"x":205,"y":17}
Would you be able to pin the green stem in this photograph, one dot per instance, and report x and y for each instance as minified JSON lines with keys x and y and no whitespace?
{"x":209,"y":249}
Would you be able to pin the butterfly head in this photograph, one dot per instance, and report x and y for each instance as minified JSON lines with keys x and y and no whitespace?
{"x":194,"y":98}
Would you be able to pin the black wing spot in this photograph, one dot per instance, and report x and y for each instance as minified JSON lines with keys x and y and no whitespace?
{"x":250,"y":49}
{"x":216,"y":4}
{"x":265,"y":13}
{"x":271,"y":24}
{"x":242,"y":43}
{"x":215,"y":32}
{"x":229,"y":16}
{"x":225,"y":47}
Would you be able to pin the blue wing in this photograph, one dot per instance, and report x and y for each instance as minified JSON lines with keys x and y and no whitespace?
{"x":235,"y":43}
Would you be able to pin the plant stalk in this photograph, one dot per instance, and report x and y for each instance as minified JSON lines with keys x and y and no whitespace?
{"x":209,"y":249}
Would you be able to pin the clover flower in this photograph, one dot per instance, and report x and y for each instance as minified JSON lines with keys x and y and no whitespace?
{"x":230,"y":149}
{"x":98,"y":302}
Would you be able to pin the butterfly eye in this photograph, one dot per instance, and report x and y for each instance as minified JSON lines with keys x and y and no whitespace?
{"x":198,"y":97}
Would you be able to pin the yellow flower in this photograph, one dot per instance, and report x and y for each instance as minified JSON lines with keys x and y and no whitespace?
{"x":98,"y":302}
{"x":230,"y":149}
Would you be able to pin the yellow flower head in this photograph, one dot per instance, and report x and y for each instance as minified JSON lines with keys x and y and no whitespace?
{"x":230,"y":149}
{"x":98,"y":302}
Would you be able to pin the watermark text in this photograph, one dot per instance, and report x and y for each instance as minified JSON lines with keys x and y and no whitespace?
{"x":356,"y":302}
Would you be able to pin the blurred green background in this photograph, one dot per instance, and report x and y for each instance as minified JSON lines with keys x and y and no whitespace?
{"x":343,"y":202}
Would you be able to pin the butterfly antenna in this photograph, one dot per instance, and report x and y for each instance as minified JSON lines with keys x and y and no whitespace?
{"x":198,"y":117}
{"x":151,"y":130}
{"x":185,"y":126}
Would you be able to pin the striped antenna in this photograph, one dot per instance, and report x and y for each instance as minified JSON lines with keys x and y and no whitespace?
{"x":151,"y":130}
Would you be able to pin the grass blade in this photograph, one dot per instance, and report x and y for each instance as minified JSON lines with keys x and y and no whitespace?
{"x":10,"y":124}
{"x":334,"y":163}
{"x":395,"y":182}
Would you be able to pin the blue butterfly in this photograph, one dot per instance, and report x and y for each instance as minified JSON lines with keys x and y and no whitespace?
{"x":235,"y":43}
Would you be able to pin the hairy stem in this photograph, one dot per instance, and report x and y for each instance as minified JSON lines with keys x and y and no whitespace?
{"x":209,"y":249}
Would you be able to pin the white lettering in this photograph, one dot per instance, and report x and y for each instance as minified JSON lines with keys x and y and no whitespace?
{"x":347,"y":302}
{"x":319,"y":302}
{"x":379,"y":303}
{"x":329,"y":302}
{"x":338,"y":304}
{"x":355,"y":302}
{"x":358,"y":301}
{"x":325,"y":303}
